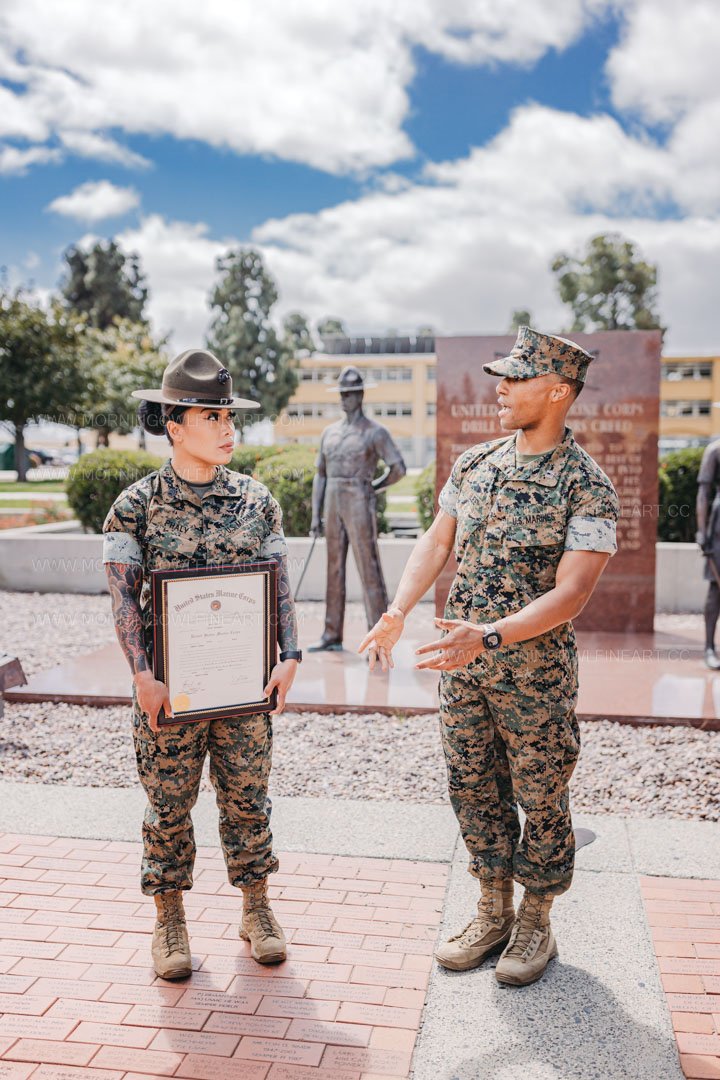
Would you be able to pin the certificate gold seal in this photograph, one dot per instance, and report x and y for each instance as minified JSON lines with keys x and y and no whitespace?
{"x":181,"y":703}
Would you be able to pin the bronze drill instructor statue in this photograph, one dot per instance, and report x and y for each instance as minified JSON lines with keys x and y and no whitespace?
{"x":344,"y":504}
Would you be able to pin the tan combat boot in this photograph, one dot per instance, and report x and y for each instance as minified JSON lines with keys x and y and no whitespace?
{"x":486,"y":934}
{"x":532,"y":943}
{"x":170,"y":945}
{"x":260,"y":927}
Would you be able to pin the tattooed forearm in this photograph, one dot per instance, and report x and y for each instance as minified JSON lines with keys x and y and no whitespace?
{"x":287,"y":622}
{"x":125,"y":582}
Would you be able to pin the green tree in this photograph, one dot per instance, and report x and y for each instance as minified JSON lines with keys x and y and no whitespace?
{"x":103,"y":283}
{"x":610,"y":287}
{"x":520,"y":317}
{"x":678,"y":494}
{"x":297,"y":336}
{"x":330,"y":327}
{"x":40,"y":370}
{"x":117,"y":360}
{"x":242,"y":335}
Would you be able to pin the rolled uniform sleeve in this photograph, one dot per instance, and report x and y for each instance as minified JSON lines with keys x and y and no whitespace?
{"x":592,"y":526}
{"x":122,"y":529}
{"x":448,"y":497}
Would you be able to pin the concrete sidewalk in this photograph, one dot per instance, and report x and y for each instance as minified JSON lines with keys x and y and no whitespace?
{"x":599,"y":1013}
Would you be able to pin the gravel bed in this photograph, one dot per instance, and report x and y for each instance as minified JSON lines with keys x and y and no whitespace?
{"x":653,"y":771}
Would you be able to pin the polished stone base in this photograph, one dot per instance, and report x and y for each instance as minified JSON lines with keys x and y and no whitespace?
{"x":636,"y":678}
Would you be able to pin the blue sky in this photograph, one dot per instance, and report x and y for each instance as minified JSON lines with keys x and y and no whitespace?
{"x":396,"y":172}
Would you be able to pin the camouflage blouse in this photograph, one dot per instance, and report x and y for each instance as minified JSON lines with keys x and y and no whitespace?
{"x":161,"y":523}
{"x":514,"y":522}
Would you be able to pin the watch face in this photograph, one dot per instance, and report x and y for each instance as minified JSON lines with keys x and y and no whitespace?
{"x":492,"y":640}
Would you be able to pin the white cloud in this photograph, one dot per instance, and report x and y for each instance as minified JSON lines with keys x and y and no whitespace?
{"x":102,"y":148}
{"x":95,"y":201}
{"x":465,"y":247}
{"x":16,"y":162}
{"x":666,"y":61}
{"x":324,"y":83}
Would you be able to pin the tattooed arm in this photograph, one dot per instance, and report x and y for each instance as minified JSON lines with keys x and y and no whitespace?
{"x":125,"y":583}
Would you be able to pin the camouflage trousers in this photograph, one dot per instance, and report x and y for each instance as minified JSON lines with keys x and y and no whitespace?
{"x":170,"y":764}
{"x":503,"y":746}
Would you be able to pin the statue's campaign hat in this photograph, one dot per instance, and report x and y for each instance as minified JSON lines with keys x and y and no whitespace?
{"x":196,"y":377}
{"x":351,"y":378}
{"x":540,"y":354}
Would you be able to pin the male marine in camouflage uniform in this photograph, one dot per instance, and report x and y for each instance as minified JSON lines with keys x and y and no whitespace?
{"x":532,"y":519}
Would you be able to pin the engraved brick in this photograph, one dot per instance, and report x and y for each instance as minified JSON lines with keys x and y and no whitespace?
{"x":113,"y":1034}
{"x":67,"y":1072}
{"x":24,"y":1004}
{"x":382,"y":1062}
{"x":97,"y":954}
{"x":33,"y":1027}
{"x":336,"y":1034}
{"x":269,"y":985}
{"x":379,"y":1015}
{"x":216,"y":981}
{"x":76,"y":936}
{"x":142,"y":995}
{"x":112,"y":973}
{"x":702,"y":1003}
{"x":44,"y":903}
{"x":412,"y":980}
{"x":86,"y":990}
{"x":50,"y":969}
{"x":48,"y":950}
{"x":100,"y":1012}
{"x":366,"y":957}
{"x":205,"y":1067}
{"x":301,"y":936}
{"x":166,"y":1016}
{"x":370,"y":995}
{"x":52,"y":1052}
{"x":15,"y":984}
{"x":302,"y":1007}
{"x":239,"y":1024}
{"x":294,"y":1053}
{"x":150,"y":1062}
{"x":689,"y":1043}
{"x":15,"y":1070}
{"x":195,"y":1042}
{"x":214,"y":1000}
{"x":300,"y":1072}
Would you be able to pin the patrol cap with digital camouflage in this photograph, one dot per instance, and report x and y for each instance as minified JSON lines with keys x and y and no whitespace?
{"x":541,"y":354}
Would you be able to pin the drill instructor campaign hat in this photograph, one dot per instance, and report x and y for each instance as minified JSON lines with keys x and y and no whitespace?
{"x":541,"y":354}
{"x":351,"y":378}
{"x":196,"y":377}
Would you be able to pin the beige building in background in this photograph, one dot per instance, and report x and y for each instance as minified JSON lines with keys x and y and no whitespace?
{"x":404,"y":399}
{"x":689,"y":387}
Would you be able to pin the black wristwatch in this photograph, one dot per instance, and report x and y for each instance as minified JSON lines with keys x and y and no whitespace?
{"x":292,"y":654}
{"x":492,"y":638}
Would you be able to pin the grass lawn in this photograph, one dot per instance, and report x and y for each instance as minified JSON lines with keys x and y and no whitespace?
{"x":27,"y":504}
{"x":32,"y":485}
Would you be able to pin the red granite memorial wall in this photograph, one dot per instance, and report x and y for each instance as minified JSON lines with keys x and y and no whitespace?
{"x":615,"y":419}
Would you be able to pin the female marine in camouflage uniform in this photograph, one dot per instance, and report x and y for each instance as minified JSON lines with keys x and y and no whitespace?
{"x":195,"y":511}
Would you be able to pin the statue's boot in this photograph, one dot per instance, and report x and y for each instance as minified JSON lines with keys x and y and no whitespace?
{"x":712,"y":660}
{"x":326,"y":644}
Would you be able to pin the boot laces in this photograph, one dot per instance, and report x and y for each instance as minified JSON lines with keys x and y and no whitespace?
{"x":173,"y":923}
{"x":259,"y":908}
{"x":527,"y":931}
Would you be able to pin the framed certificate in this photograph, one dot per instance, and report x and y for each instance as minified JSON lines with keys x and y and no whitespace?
{"x":215,"y":639}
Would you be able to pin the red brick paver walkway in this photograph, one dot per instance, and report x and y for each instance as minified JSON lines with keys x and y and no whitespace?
{"x":684,"y":915}
{"x":78,"y":998}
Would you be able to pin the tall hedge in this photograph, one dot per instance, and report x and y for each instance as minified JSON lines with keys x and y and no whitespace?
{"x":425,"y":493}
{"x":95,"y":481}
{"x":288,"y":474}
{"x":678,"y":493}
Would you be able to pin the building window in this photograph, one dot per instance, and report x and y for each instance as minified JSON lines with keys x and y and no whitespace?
{"x":431,"y":409}
{"x":696,"y":369}
{"x":678,"y":409}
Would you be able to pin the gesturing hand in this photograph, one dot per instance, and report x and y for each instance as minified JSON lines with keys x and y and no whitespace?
{"x":459,"y":647}
{"x":383,"y":637}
